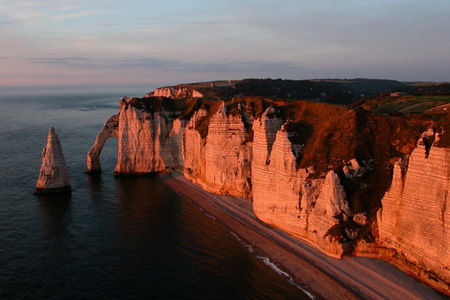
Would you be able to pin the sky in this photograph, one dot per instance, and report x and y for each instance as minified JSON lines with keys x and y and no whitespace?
{"x":125,"y":43}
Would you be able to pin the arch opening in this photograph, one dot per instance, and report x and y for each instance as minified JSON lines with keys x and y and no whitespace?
{"x":110,"y":129}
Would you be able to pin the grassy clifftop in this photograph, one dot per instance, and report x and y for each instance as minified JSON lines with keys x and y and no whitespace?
{"x":338,"y":91}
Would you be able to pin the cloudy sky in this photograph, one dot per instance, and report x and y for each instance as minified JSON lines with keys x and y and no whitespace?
{"x":116,"y":42}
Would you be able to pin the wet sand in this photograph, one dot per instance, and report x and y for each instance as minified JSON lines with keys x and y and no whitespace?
{"x":312,"y":271}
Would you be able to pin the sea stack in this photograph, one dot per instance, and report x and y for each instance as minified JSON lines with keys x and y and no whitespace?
{"x":54,"y":175}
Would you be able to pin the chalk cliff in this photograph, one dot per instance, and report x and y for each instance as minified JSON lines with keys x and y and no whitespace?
{"x":414,"y":220}
{"x":53,"y":175}
{"x":175,"y":92}
{"x":149,"y":141}
{"x":219,"y":162}
{"x":284,"y":197}
{"x":345,"y":180}
{"x":109,"y":130}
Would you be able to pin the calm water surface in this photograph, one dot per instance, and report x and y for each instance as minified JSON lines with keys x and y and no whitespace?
{"x":114,"y":237}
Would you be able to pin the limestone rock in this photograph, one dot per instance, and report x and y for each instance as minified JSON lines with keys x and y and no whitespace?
{"x":148,"y":141}
{"x":415,"y":215}
{"x":284,"y":197}
{"x":224,"y":165}
{"x":175,"y":92}
{"x":93,"y":157}
{"x":54,"y":175}
{"x":192,"y":148}
{"x":227,"y":162}
{"x":248,"y":151}
{"x":360,"y":218}
{"x":353,"y":169}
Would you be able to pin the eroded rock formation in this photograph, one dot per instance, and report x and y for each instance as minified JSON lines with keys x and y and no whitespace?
{"x":414,"y":219}
{"x":175,"y":92}
{"x":220,"y":162}
{"x":53,"y":175}
{"x":345,"y":180}
{"x":284,"y":196}
{"x":149,"y":141}
{"x":93,"y":157}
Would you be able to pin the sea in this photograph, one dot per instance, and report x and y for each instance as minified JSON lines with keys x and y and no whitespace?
{"x":112,"y":238}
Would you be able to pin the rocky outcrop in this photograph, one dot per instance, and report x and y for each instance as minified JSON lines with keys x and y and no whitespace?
{"x":148,"y":142}
{"x":414,"y":220}
{"x":93,"y":157}
{"x":284,"y":196}
{"x":175,"y":92}
{"x":54,"y":175}
{"x":317,"y":171}
{"x":220,"y":163}
{"x":231,"y":151}
{"x":192,"y":148}
{"x":211,"y":89}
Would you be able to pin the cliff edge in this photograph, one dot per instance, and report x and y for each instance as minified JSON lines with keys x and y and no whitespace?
{"x":344,"y":179}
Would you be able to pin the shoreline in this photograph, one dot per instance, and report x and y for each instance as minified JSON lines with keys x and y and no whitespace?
{"x":308,"y":268}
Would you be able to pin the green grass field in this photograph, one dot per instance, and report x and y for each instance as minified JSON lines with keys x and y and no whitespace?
{"x":412,"y":104}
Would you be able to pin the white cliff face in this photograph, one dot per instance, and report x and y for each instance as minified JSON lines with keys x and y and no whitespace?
{"x":415,"y":215}
{"x":135,"y":141}
{"x":284,"y":197}
{"x":148,"y":142}
{"x":54,"y":175}
{"x":270,"y":185}
{"x":227,"y":157}
{"x":192,"y":149}
{"x":221,"y":162}
{"x":109,"y":130}
{"x":224,"y":162}
{"x":176,"y":93}
{"x":413,"y":220}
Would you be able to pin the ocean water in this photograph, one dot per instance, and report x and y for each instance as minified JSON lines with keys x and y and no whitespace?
{"x":113,"y":238}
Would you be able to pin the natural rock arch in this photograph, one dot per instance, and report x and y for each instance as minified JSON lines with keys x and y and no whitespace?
{"x":110,"y":129}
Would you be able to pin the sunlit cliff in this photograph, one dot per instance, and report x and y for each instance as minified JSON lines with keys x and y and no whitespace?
{"x":344,"y":179}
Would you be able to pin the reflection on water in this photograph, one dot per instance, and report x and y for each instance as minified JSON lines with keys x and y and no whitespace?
{"x":113,"y":238}
{"x":55,"y":213}
{"x":145,"y":210}
{"x":171,"y":243}
{"x":94,"y":186}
